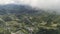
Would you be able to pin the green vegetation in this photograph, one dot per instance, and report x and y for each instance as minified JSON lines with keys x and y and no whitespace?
{"x":25,"y":24}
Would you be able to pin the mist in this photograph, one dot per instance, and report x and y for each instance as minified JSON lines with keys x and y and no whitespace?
{"x":42,"y":4}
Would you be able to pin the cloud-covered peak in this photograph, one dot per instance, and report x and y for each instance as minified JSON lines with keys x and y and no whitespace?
{"x":45,"y":4}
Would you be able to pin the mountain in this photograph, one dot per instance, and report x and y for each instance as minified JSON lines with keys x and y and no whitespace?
{"x":18,"y":9}
{"x":24,"y":19}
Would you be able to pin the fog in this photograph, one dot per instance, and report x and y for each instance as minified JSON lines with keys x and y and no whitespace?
{"x":43,"y":4}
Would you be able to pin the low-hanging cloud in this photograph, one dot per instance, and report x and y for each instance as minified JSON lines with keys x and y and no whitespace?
{"x":45,"y":4}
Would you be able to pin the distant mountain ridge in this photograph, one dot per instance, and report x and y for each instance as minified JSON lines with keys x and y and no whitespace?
{"x":18,"y":9}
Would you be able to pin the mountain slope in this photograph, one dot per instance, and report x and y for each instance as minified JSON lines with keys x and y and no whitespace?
{"x":18,"y":9}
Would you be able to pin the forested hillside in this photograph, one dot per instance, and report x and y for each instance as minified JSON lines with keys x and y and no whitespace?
{"x":23,"y":19}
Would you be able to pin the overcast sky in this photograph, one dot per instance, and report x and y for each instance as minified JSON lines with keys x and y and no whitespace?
{"x":46,"y":4}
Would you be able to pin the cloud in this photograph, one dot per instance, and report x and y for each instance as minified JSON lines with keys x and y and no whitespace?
{"x":45,"y":4}
{"x":6,"y":1}
{"x":41,"y":3}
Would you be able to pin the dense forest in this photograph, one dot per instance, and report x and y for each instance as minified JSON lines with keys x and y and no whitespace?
{"x":23,"y":19}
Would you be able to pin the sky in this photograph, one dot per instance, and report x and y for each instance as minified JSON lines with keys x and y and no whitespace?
{"x":45,"y":4}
